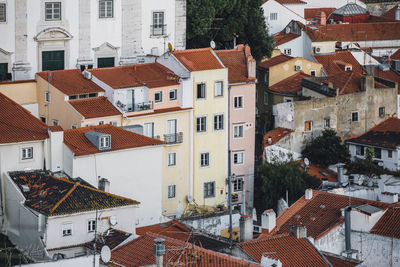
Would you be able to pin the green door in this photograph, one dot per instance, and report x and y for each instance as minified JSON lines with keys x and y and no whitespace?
{"x":52,"y":60}
{"x":3,"y":71}
{"x":104,"y":62}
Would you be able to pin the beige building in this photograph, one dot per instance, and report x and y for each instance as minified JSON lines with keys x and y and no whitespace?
{"x":23,"y":93}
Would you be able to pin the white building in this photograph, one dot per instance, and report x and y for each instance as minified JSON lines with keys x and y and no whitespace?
{"x":46,"y":215}
{"x":40,"y":35}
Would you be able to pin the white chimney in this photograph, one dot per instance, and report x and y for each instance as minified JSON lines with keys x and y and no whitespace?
{"x":308,"y":194}
{"x":299,"y":231}
{"x":269,"y":140}
{"x":56,"y":149}
{"x":246,"y":228}
{"x":270,"y":262}
{"x":397,"y":13}
{"x":268,"y":220}
{"x":389,"y":197}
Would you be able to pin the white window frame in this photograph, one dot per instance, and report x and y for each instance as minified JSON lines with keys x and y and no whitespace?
{"x":27,"y":153}
{"x":207,"y":190}
{"x":313,"y":71}
{"x":47,"y":96}
{"x":171,"y":191}
{"x":221,"y":92}
{"x":273,"y":16}
{"x":238,"y":158}
{"x":91,"y":225}
{"x":327,"y":123}
{"x":237,"y":185}
{"x":146,"y":129}
{"x":204,"y":160}
{"x":238,"y":102}
{"x":55,"y":122}
{"x":175,"y":92}
{"x":114,"y":123}
{"x":238,"y":133}
{"x":101,"y":122}
{"x":201,"y":128}
{"x":287,"y":51}
{"x":105,"y":142}
{"x":161,"y":96}
{"x":158,"y":27}
{"x":203,"y":90}
{"x":51,"y":7}
{"x":358,"y":118}
{"x":381,"y":114}
{"x":3,"y":16}
{"x":219,"y":122}
{"x":171,"y":159}
{"x":67,"y":226}
{"x":106,"y":14}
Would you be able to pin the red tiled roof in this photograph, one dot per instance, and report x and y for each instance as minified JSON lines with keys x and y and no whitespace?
{"x":139,"y":252}
{"x":266,"y":64}
{"x":311,"y":13}
{"x":198,"y":59}
{"x":332,"y":62}
{"x":152,"y":75}
{"x":288,"y":1}
{"x":388,"y":75}
{"x":320,"y":172}
{"x":70,"y":82}
{"x":158,"y":111}
{"x":95,"y":107}
{"x":56,"y":128}
{"x":174,"y":229}
{"x":236,"y":62}
{"x":17,"y":81}
{"x":282,"y":38}
{"x":276,"y":135}
{"x":19,"y":125}
{"x":289,"y":86}
{"x":339,"y":261}
{"x":291,"y":251}
{"x":396,"y":55}
{"x":388,"y":224}
{"x":320,"y":214}
{"x":385,"y":134}
{"x":391,"y":13}
{"x":76,"y":140}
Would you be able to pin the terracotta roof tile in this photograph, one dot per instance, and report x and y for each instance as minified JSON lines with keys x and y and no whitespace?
{"x":388,"y":75}
{"x":339,"y":261}
{"x":385,"y":134}
{"x":289,"y":86}
{"x":139,"y":252}
{"x":311,"y":13}
{"x":396,"y":55}
{"x":111,"y":238}
{"x":276,"y":135}
{"x":322,"y":173}
{"x":236,"y":62}
{"x":332,"y":62}
{"x":266,"y":64}
{"x":19,"y":125}
{"x":56,"y":128}
{"x":70,"y":82}
{"x":388,"y":224}
{"x":282,"y":38}
{"x":55,"y":196}
{"x":76,"y":140}
{"x":198,"y":59}
{"x":319,"y":214}
{"x":291,"y":251}
{"x":288,"y":1}
{"x":152,"y":75}
{"x":391,"y":13}
{"x":95,"y":107}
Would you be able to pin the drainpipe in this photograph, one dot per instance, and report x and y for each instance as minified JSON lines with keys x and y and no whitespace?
{"x":347,"y":227}
{"x":229,"y":170}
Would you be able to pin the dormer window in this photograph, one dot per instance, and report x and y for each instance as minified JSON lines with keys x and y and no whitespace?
{"x":105,"y":142}
{"x":348,"y":68}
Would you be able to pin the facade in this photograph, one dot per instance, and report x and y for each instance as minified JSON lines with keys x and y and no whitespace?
{"x":85,"y":34}
{"x":23,"y":93}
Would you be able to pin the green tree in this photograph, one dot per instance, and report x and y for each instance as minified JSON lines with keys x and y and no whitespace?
{"x":366,"y":166}
{"x":326,"y":149}
{"x":273,"y":179}
{"x":224,"y":20}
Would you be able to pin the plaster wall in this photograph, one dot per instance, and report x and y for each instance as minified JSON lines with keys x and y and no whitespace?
{"x":24,"y":93}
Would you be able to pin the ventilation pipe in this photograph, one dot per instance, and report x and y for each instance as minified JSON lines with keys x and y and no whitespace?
{"x":246,"y":228}
{"x":347,"y":227}
{"x":159,"y":251}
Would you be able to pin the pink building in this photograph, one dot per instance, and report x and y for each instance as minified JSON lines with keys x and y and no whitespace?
{"x":242,"y":97}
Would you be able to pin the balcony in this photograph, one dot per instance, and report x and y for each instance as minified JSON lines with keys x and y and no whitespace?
{"x":158,"y":30}
{"x":140,"y":107}
{"x":175,"y":138}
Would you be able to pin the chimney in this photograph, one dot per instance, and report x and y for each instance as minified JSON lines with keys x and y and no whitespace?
{"x":104,"y":184}
{"x":321,"y":18}
{"x":269,"y":140}
{"x":269,"y":262}
{"x":246,"y":228}
{"x":367,"y":83}
{"x":268,"y":220}
{"x":330,"y":84}
{"x":159,"y":251}
{"x":251,"y":67}
{"x":154,"y":51}
{"x":55,"y":150}
{"x":340,"y":173}
{"x":389,"y":197}
{"x":370,"y":69}
{"x":308,"y":194}
{"x":347,"y":227}
{"x":299,"y":231}
{"x":397,"y":13}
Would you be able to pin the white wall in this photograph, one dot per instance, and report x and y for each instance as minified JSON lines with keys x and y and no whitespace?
{"x":275,"y":153}
{"x":133,"y":173}
{"x":78,"y":261}
{"x":296,"y":46}
{"x":392,"y":163}
{"x":330,"y":3}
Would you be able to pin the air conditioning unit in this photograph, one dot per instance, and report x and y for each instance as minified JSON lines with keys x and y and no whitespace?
{"x":317,"y":50}
{"x":87,"y":75}
{"x":297,"y":68}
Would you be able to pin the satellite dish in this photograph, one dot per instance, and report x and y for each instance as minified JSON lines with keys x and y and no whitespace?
{"x":170,"y":48}
{"x":113,"y":220}
{"x":212,"y":44}
{"x":105,"y":254}
{"x":380,"y":164}
{"x":306,"y":161}
{"x":289,"y":117}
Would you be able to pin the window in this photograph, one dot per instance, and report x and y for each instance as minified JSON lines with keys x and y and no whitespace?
{"x":53,"y":11}
{"x":83,"y":96}
{"x":173,"y":94}
{"x":287,"y":51}
{"x":218,"y":87}
{"x":204,"y":159}
{"x":237,"y":131}
{"x":105,"y":142}
{"x":348,"y":68}
{"x":55,"y":122}
{"x":327,"y":123}
{"x":3,"y":12}
{"x":172,"y":191}
{"x":308,"y":126}
{"x":91,"y":225}
{"x":287,"y":99}
{"x":47,"y":96}
{"x":273,"y":16}
{"x":113,"y":123}
{"x":238,"y":158}
{"x":106,"y":9}
{"x":43,"y":119}
{"x":265,"y":98}
{"x":218,"y":122}
{"x":390,"y":154}
{"x":158,"y":23}
{"x":382,"y":112}
{"x":238,"y":185}
{"x":148,"y":129}
{"x":266,"y":78}
{"x":101,"y":122}
{"x":359,"y":150}
{"x":158,"y":96}
{"x":377,"y":153}
{"x":72,"y":97}
{"x":209,"y":189}
{"x":171,"y":159}
{"x":73,"y":126}
{"x":238,"y":102}
{"x":201,"y":124}
{"x":27,"y":153}
{"x":354,"y":116}
{"x":67,"y":229}
{"x":201,"y":90}
{"x":313,"y":73}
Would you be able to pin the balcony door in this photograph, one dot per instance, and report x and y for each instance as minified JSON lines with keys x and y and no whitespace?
{"x":53,"y":60}
{"x":171,"y":131}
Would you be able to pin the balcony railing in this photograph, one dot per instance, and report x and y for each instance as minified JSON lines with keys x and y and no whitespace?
{"x":175,"y":138}
{"x":140,"y":106}
{"x":158,"y":30}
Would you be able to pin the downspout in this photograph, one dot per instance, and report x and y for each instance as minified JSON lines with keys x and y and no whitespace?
{"x":229,"y":172}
